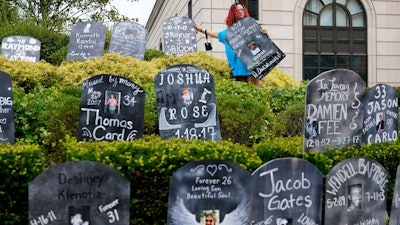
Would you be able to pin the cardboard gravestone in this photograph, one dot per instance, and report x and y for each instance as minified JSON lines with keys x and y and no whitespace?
{"x":129,"y":39}
{"x":86,"y":41}
{"x":81,"y":192}
{"x":112,"y":108}
{"x":186,"y":103}
{"x":179,"y":36}
{"x":209,"y":189}
{"x":6,"y":109}
{"x":395,"y":212}
{"x":255,"y":50}
{"x":333,"y":113}
{"x":381,"y":110}
{"x":21,"y":48}
{"x":356,"y":192}
{"x":287,"y":191}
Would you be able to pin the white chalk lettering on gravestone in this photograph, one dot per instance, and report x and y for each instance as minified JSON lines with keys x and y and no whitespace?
{"x":289,"y":185}
{"x":21,"y":48}
{"x":6,"y":109}
{"x":347,"y":171}
{"x":289,"y":189}
{"x":356,"y":192}
{"x":77,"y":191}
{"x":332,"y":113}
{"x":102,"y":123}
{"x":107,"y":105}
{"x":44,"y":219}
{"x":199,"y":187}
{"x":381,"y":114}
{"x":186,"y":103}
{"x":5,"y":101}
{"x":179,"y":36}
{"x":87,"y":41}
{"x":196,"y":77}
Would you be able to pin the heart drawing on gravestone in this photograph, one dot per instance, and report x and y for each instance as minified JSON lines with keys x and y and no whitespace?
{"x":211,"y":169}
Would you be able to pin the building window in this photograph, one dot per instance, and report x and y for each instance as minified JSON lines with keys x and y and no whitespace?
{"x":252,"y":6}
{"x":334,"y":36}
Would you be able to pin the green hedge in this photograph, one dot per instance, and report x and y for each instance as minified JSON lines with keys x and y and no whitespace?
{"x":19,"y":164}
{"x":149,"y":163}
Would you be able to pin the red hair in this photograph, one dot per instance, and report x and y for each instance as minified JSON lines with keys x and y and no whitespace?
{"x":231,"y":18}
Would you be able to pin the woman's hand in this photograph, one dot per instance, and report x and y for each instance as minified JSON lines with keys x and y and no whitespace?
{"x":198,"y":27}
{"x":264,"y":31}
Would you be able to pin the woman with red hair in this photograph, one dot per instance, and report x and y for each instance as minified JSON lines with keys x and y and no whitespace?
{"x":236,"y":12}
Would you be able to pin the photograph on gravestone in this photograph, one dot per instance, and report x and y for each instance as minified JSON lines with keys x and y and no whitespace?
{"x":179,"y":36}
{"x":86,"y":41}
{"x":286,"y":191}
{"x":112,"y":108}
{"x":21,"y":48}
{"x":381,"y":110}
{"x":129,"y":39}
{"x":356,"y":192}
{"x":7,"y":133}
{"x":79,"y":193}
{"x":255,"y":50}
{"x":186,"y":103}
{"x":395,"y":212}
{"x":334,"y":111}
{"x":209,"y":192}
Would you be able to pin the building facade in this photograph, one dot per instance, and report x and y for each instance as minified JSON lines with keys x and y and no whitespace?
{"x":315,"y":35}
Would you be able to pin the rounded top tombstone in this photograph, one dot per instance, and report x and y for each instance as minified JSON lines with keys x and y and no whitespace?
{"x":86,"y":41}
{"x":129,"y":39}
{"x":112,"y":108}
{"x":333,"y":113}
{"x":356,"y":192}
{"x":186,"y":103}
{"x":21,"y":48}
{"x":204,"y":187}
{"x":85,"y":191}
{"x":179,"y":36}
{"x":287,"y":190}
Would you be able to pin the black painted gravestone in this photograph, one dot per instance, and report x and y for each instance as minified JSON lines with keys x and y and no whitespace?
{"x":255,"y":50}
{"x":6,"y":109}
{"x":287,"y":191}
{"x":395,"y":212}
{"x":79,"y":193}
{"x":333,"y":113}
{"x":21,"y":48}
{"x":179,"y":36}
{"x":86,"y":41}
{"x":186,"y":103}
{"x":356,"y":193}
{"x":209,"y":190}
{"x":112,"y":108}
{"x":129,"y":39}
{"x":381,"y":110}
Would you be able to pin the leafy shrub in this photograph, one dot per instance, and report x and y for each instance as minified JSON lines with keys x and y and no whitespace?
{"x":19,"y":164}
{"x":288,"y":104}
{"x":45,"y":116}
{"x":277,"y":78}
{"x":28,"y":75}
{"x":244,"y":112}
{"x":150,"y":54}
